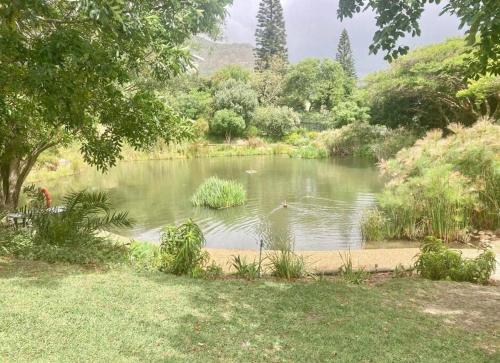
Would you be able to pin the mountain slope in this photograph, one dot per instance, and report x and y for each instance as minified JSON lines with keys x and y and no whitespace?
{"x":210,"y":56}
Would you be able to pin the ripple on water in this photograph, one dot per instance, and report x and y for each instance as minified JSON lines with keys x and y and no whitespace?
{"x":325,"y":200}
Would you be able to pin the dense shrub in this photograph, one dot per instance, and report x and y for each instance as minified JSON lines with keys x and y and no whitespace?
{"x":276,"y":122}
{"x":438,"y":262}
{"x":443,"y":187}
{"x":144,"y":256}
{"x":236,"y":96}
{"x":347,"y":112}
{"x":392,"y":142}
{"x":71,"y":234}
{"x":217,"y":193}
{"x":355,"y":139}
{"x":227,"y":123}
{"x":231,"y":72}
{"x":301,"y":137}
{"x":365,"y":140}
{"x":194,"y":104}
{"x":181,"y":250}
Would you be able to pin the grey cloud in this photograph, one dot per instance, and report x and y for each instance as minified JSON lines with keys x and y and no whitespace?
{"x":313,"y":30}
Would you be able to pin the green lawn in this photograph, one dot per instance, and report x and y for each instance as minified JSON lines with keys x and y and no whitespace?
{"x":67,"y":313}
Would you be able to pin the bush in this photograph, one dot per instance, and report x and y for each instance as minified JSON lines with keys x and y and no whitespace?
{"x":393,"y":142}
{"x":181,"y":250}
{"x":347,"y":112}
{"x":356,"y":139}
{"x":444,"y":187}
{"x":227,"y":123}
{"x":231,"y":72}
{"x":244,"y":269}
{"x":194,"y":104}
{"x":236,"y":96}
{"x":316,"y":121}
{"x":213,"y":271}
{"x":301,"y":137}
{"x":276,"y":122}
{"x":144,"y":256}
{"x":438,"y":262}
{"x":286,"y":264}
{"x":217,"y":194}
{"x":81,"y":215}
{"x":201,"y":128}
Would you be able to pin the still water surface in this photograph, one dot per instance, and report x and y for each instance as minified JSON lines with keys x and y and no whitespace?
{"x":325,"y":198}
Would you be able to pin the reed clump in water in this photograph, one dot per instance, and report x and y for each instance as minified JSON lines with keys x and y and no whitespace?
{"x":218,"y":193}
{"x":441,"y":187}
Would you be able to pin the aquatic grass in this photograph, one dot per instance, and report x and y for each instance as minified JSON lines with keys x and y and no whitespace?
{"x":442,"y":186}
{"x":310,"y":151}
{"x":218,"y":193}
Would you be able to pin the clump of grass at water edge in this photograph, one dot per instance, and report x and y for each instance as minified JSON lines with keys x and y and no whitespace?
{"x":442,"y":187}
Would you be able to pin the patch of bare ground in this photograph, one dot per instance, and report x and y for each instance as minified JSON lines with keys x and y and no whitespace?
{"x":462,"y":305}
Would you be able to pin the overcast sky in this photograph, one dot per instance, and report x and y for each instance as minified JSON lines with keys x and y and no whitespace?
{"x":313,"y":30}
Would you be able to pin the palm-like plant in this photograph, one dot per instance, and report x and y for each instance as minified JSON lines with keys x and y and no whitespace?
{"x":81,"y":215}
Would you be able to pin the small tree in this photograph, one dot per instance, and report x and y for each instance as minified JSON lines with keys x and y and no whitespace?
{"x":269,"y":83}
{"x":270,"y":34}
{"x":276,"y":121}
{"x":344,"y":55}
{"x":236,"y":96}
{"x":314,"y":84}
{"x":227,"y":123}
{"x":76,"y":70}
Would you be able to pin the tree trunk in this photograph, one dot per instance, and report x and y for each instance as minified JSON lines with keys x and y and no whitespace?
{"x":13,"y":173}
{"x":12,"y":181}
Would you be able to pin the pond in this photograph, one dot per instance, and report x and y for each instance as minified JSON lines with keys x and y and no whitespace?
{"x":325,"y":198}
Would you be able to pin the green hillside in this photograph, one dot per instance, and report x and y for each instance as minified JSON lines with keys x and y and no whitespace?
{"x":211,"y":56}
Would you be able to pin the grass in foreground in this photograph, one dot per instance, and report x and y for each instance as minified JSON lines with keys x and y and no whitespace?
{"x":67,"y":313}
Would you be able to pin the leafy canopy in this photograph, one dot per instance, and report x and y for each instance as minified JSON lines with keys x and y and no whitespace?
{"x":314,"y":84}
{"x":397,"y":18}
{"x":82,"y":69}
{"x":427,"y":89}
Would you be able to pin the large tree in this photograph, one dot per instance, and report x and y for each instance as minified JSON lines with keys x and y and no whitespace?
{"x":344,"y":55}
{"x":315,"y":85}
{"x":397,"y":18}
{"x":75,"y":70}
{"x":270,"y":34}
{"x":427,"y":89}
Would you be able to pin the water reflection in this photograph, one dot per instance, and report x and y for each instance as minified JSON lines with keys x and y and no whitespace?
{"x":325,"y":198}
